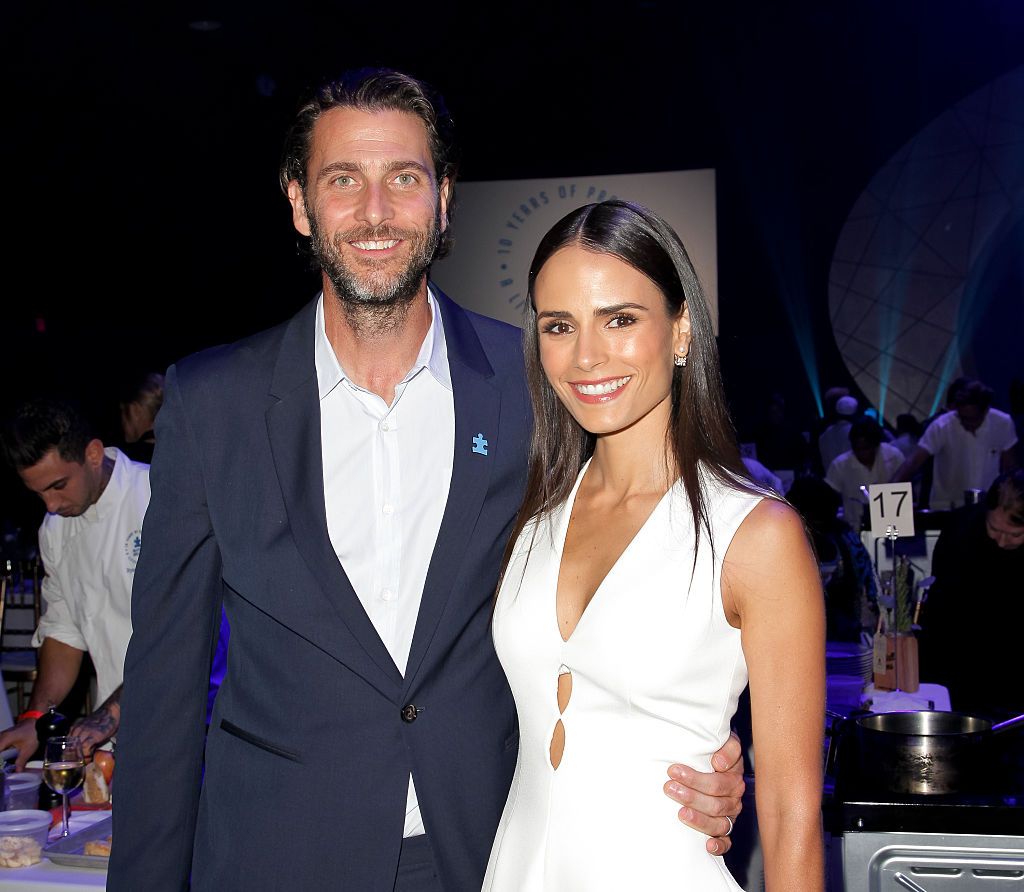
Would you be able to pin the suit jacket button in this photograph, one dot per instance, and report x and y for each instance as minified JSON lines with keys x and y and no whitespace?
{"x":409,"y":713}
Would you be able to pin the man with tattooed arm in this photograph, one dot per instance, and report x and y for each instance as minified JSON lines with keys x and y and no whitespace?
{"x":89,"y":542}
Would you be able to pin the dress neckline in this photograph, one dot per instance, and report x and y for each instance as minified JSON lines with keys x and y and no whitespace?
{"x":563,"y":532}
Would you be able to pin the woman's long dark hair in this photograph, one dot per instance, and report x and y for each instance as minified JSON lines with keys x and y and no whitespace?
{"x":701,"y":435}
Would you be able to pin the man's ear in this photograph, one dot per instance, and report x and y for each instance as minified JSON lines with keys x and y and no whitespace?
{"x":300,"y":219}
{"x":94,"y":453}
{"x":443,"y":194}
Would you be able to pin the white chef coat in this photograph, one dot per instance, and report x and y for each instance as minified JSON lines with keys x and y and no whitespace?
{"x":90,"y":564}
{"x":846,"y":476}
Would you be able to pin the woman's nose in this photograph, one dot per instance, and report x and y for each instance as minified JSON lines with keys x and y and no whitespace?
{"x":590,"y":351}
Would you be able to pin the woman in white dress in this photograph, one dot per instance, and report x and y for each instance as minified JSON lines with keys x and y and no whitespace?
{"x":645,"y":580}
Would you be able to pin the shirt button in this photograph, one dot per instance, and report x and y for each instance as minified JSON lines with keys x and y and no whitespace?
{"x":409,"y":713}
{"x":388,"y":510}
{"x":384,"y":426}
{"x":387,"y":594}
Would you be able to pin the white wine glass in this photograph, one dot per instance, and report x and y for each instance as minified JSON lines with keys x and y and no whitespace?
{"x":63,"y":770}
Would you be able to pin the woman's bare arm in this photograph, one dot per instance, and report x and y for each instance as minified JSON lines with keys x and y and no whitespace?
{"x":771,"y":589}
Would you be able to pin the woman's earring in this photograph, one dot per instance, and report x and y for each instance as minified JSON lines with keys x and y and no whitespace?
{"x":680,"y":360}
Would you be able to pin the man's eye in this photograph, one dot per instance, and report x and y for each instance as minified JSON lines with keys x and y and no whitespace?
{"x":405,"y":179}
{"x":344,"y":180}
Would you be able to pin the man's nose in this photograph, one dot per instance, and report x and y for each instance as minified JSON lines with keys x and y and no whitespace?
{"x":376,"y":206}
{"x":51,"y":500}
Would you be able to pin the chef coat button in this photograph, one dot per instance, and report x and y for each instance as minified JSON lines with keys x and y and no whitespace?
{"x":409,"y":713}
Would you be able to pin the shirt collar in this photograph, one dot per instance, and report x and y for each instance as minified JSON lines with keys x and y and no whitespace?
{"x":432,"y":356}
{"x":107,"y":502}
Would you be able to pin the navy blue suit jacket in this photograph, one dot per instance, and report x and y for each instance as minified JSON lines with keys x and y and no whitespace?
{"x":308,"y":756}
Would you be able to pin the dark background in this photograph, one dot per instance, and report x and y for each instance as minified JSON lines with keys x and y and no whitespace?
{"x":141,"y":146}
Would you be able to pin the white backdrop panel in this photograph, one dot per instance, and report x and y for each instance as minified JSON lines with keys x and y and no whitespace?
{"x":498,"y":225}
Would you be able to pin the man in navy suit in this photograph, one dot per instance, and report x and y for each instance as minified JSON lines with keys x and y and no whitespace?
{"x":344,"y":485}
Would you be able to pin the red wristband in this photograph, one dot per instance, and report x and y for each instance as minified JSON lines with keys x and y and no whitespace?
{"x":31,"y":714}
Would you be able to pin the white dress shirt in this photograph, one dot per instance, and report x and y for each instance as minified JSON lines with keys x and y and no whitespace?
{"x":90,"y":564}
{"x":387,"y":471}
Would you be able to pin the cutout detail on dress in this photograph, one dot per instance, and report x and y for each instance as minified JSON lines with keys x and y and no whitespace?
{"x":557,"y":747}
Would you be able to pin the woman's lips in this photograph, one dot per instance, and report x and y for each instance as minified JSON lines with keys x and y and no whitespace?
{"x":601,"y":391}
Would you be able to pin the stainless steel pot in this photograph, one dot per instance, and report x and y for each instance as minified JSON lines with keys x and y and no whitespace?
{"x":924,"y":752}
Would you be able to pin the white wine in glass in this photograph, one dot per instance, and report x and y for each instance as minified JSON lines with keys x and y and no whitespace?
{"x":63,"y":770}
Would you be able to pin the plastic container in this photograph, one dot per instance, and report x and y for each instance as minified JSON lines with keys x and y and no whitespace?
{"x":22,"y":790}
{"x":23,"y":833}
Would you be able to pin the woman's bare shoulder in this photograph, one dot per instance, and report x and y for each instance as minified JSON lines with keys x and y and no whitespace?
{"x":772,"y":523}
{"x":770,"y":544}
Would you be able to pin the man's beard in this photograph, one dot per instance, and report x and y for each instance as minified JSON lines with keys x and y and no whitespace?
{"x":375,"y":298}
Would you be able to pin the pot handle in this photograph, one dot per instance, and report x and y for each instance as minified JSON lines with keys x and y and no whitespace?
{"x":1008,"y":725}
{"x":836,"y":722}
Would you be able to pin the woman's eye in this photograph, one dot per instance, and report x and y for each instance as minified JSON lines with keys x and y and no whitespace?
{"x":557,"y":328}
{"x":621,"y":320}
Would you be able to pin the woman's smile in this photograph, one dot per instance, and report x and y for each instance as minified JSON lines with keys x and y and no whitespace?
{"x":600,"y":391}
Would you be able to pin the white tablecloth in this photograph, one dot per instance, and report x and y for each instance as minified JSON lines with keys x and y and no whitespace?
{"x":927,"y":696}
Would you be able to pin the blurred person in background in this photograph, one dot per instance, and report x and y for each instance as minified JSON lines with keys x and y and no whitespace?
{"x":851,"y":591}
{"x":970,"y":445}
{"x":835,"y":439}
{"x":908,"y":432}
{"x":828,"y":416}
{"x":867,"y":461}
{"x":89,"y":543}
{"x":140,"y":401}
{"x":971,"y":623}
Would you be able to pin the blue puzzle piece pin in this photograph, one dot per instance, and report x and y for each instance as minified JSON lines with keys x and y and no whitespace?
{"x":479,"y":445}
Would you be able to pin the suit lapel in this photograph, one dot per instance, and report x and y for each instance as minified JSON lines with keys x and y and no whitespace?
{"x":293,"y":425}
{"x":477,"y":412}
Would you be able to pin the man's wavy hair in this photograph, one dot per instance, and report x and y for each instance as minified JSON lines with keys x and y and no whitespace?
{"x":375,"y":90}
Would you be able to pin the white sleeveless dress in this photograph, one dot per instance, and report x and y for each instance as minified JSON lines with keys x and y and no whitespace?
{"x":656,"y":673}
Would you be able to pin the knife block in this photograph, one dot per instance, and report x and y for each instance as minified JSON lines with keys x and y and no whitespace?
{"x":896,"y":662}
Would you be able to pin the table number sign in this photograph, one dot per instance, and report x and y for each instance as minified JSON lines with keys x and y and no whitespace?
{"x":892,"y":510}
{"x":895,"y":648}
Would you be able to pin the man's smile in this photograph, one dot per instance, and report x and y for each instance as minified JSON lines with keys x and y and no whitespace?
{"x":382,"y":245}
